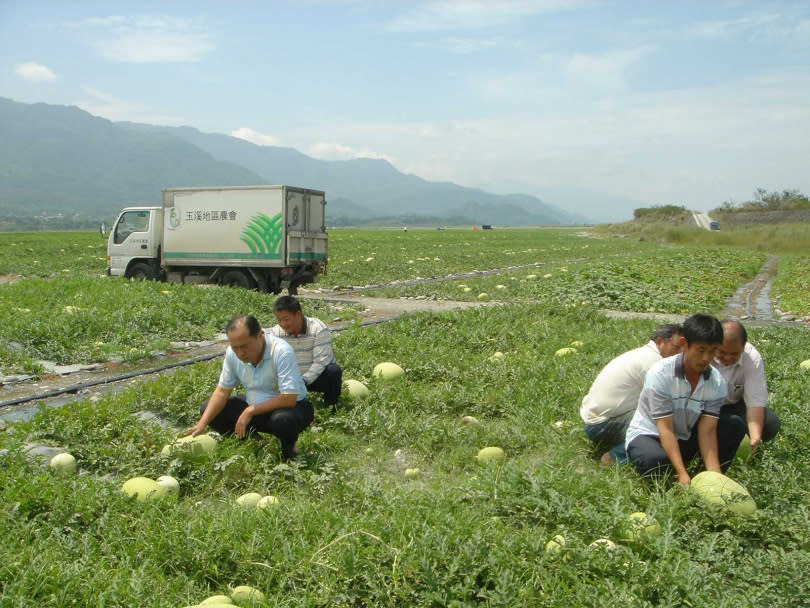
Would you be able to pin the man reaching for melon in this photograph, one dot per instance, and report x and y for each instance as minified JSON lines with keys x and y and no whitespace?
{"x":276,"y":398}
{"x":679,"y":408}
{"x":741,"y":365}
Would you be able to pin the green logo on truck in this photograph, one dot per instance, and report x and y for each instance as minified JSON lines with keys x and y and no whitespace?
{"x":263,"y":234}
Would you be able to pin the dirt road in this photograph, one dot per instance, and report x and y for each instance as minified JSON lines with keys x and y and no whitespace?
{"x":750,"y":304}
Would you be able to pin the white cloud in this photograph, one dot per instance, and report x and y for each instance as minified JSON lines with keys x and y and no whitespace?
{"x":474,"y":14}
{"x":464,"y":46}
{"x":607,"y":69}
{"x":34,"y":71}
{"x":255,"y":137}
{"x":683,"y":146}
{"x":774,"y":28}
{"x":558,"y":80}
{"x":332,"y":151}
{"x":724,"y":28}
{"x":147,"y":38}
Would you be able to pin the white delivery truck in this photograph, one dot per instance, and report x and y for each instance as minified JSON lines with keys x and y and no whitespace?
{"x":263,"y":237}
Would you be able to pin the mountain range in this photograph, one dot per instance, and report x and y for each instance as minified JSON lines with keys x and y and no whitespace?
{"x":61,"y":159}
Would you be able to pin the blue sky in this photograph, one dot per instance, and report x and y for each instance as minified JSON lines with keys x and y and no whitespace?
{"x":598,"y":107}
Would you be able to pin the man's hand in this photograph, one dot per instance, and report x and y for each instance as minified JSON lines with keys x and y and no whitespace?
{"x":754,"y":446}
{"x":684,"y":478}
{"x":194,"y":431}
{"x":243,"y":421}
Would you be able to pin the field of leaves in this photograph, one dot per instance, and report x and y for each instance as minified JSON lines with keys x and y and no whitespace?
{"x":352,"y":530}
{"x":792,"y":285}
{"x":378,"y":257}
{"x":65,"y":310}
{"x":52,"y":254}
{"x":668,"y":280}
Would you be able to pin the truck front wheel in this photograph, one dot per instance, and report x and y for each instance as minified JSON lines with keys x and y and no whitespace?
{"x":141,"y":272}
{"x":237,"y":278}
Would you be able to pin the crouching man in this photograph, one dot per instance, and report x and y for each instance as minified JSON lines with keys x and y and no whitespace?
{"x":679,"y":408}
{"x":741,"y":365}
{"x":312,"y":342}
{"x":610,"y":404}
{"x":276,"y":398}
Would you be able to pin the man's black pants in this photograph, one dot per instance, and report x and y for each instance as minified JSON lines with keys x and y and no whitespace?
{"x":330,"y":383}
{"x":649,"y":457}
{"x":770,"y":427}
{"x":284,"y":423}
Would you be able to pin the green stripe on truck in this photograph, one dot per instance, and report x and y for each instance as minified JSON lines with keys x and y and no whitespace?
{"x":184,"y":255}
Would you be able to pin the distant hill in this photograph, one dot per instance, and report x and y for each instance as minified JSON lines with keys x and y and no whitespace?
{"x":373,"y":184}
{"x":60,"y":159}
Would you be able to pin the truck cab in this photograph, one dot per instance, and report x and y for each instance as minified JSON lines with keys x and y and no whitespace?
{"x":133,"y":245}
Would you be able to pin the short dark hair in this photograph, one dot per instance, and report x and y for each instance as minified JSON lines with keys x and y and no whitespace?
{"x":249,"y":321}
{"x":288,"y":303}
{"x":702,"y":328}
{"x":667,"y":331}
{"x":736,"y":330}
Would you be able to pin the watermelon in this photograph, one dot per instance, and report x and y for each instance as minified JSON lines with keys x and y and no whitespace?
{"x":718,"y":489}
{"x":388,"y":370}
{"x":640,"y":526}
{"x":490,"y":454}
{"x":191,"y":448}
{"x":267,"y":502}
{"x":243,"y":595}
{"x":217,"y":599}
{"x":744,"y":449}
{"x":143,"y":488}
{"x":63,"y":463}
{"x":555,"y":545}
{"x":251,"y":499}
{"x":356,"y":389}
{"x":171,"y":485}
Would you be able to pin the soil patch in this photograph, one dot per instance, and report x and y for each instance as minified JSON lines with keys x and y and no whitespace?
{"x":107,"y":377}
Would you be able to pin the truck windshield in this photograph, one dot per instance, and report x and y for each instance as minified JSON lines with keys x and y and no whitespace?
{"x":131,"y":221}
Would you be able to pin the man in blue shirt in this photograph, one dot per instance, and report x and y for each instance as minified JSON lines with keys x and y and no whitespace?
{"x":276,"y":397}
{"x":679,"y":408}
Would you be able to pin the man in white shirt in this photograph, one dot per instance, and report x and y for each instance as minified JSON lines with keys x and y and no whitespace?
{"x":741,"y":365}
{"x":312,"y":342}
{"x":610,"y":403}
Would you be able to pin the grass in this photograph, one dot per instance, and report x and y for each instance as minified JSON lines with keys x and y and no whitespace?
{"x":84,"y":320}
{"x":52,"y":254}
{"x":359,"y":258}
{"x":71,"y":313}
{"x":778,"y":239}
{"x":670,"y":280}
{"x":351,"y":530}
{"x":792,"y":284}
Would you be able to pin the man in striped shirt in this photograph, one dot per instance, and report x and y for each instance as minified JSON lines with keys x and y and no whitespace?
{"x":312,"y":343}
{"x":679,"y":408}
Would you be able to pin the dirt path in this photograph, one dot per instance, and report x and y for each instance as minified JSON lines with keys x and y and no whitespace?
{"x":110,"y":376}
{"x":749,"y":304}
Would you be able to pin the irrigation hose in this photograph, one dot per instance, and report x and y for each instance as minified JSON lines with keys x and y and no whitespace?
{"x":476,"y":273}
{"x":152,"y":370}
{"x":77,"y":387}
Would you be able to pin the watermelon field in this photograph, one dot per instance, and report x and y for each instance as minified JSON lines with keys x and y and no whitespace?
{"x":348,"y":527}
